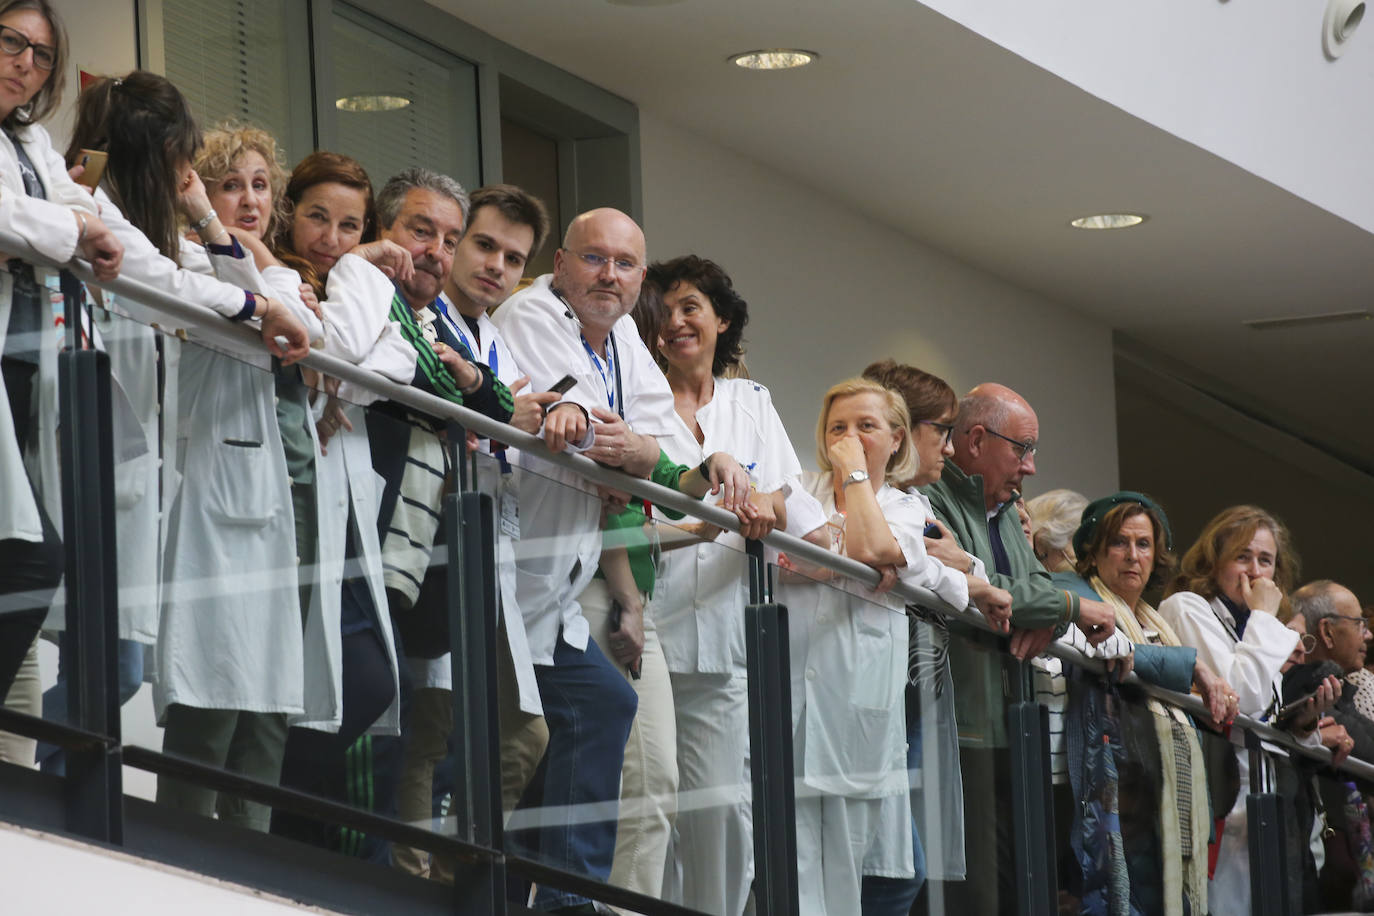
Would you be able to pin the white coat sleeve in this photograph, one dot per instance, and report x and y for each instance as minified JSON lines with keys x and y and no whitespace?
{"x":357,"y":310}
{"x":284,"y":285}
{"x":906,"y":518}
{"x":143,"y":262}
{"x":1250,"y":665}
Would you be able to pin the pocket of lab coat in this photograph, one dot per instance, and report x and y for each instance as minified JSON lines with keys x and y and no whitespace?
{"x":131,"y":481}
{"x":237,"y":483}
{"x":874,"y":659}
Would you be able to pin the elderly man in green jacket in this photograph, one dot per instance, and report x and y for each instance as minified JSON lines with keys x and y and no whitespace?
{"x":994,"y":442}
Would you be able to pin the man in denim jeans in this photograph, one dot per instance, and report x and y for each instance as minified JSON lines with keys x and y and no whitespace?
{"x":575,"y":322}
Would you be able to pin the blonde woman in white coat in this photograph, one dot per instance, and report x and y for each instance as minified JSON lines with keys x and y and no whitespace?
{"x":849,"y":652}
{"x":59,"y":221}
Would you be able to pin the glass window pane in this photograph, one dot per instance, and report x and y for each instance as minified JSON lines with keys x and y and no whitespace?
{"x":401,"y":102}
{"x":233,"y":60}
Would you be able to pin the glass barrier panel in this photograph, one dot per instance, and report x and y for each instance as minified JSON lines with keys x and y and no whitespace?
{"x":296,"y":566}
{"x":878,"y":754}
{"x":33,"y":592}
{"x":617,"y":780}
{"x":1147,"y":785}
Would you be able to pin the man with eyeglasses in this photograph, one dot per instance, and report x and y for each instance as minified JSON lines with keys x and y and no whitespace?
{"x":995,"y":440}
{"x":575,"y":322}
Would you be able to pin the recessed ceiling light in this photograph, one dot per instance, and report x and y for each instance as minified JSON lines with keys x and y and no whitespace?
{"x":371,"y":103}
{"x":773,"y":59}
{"x":1108,"y":221}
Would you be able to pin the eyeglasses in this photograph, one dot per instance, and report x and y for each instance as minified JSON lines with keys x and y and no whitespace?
{"x":1021,"y":449}
{"x":1308,"y":641}
{"x":1364,"y":624}
{"x":597,"y":261}
{"x":947,"y":429}
{"x":13,"y":43}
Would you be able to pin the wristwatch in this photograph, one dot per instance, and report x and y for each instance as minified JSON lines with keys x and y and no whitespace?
{"x":854,"y":477}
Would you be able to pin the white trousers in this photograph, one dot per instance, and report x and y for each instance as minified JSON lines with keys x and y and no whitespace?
{"x":649,"y":779}
{"x":712,"y":862}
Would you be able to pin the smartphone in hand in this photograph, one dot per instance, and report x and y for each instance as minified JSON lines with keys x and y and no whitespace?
{"x":93,"y":161}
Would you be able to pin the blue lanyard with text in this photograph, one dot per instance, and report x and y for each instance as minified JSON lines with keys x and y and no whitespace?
{"x":614,"y":395}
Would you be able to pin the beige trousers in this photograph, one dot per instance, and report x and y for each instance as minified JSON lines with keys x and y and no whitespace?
{"x":26,"y":695}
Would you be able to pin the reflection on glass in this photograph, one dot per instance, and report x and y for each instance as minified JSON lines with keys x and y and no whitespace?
{"x":402,"y":103}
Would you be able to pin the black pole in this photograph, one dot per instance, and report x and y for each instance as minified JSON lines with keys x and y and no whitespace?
{"x":473,"y":609}
{"x":770,"y":744}
{"x":1031,"y":809}
{"x":1265,"y":835}
{"x":94,"y":788}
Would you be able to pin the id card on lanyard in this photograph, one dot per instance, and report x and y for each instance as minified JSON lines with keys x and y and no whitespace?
{"x":614,"y":394}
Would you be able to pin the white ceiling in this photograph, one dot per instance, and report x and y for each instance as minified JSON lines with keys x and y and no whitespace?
{"x":927,"y":127}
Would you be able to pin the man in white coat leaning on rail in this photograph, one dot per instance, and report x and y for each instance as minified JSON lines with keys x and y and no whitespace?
{"x":575,"y":322}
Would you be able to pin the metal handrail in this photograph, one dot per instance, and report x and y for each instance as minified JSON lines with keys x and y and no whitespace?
{"x":212,"y":328}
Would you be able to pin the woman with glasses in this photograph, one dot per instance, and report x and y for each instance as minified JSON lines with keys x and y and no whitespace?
{"x":1124,"y":546}
{"x":43,"y":206}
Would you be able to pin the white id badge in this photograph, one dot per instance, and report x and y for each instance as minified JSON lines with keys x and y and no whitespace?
{"x":510,"y":514}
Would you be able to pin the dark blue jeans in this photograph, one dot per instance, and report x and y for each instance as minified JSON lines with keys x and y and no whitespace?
{"x":589,"y":708}
{"x":129,"y":657}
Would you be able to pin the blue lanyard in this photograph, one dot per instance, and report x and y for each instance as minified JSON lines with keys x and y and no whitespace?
{"x":457,"y":327}
{"x":611,"y":366}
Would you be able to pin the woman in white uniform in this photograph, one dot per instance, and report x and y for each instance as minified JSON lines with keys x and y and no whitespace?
{"x":39,"y":203}
{"x":702,"y":590}
{"x":230,"y":665}
{"x":1225,"y":602}
{"x":329,"y":215}
{"x":849,"y":653}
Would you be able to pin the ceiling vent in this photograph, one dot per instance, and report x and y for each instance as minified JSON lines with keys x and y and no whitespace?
{"x":1298,"y":321}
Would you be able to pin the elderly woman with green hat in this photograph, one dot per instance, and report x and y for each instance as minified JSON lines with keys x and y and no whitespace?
{"x":1124,"y":546}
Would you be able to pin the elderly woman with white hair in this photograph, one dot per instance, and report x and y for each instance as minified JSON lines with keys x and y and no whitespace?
{"x":1054,"y":519}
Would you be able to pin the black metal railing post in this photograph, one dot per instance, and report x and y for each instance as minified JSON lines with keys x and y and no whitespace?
{"x":94,"y":789}
{"x":473,"y":609}
{"x":1032,"y":813}
{"x":770,"y":744}
{"x":1265,"y":835}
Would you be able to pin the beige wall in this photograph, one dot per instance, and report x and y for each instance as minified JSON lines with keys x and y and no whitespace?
{"x":831,"y":290}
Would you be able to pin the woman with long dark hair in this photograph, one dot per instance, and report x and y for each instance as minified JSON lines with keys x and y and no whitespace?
{"x":229,"y":647}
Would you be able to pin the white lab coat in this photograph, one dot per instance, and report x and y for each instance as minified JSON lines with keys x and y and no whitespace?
{"x":849,"y":659}
{"x":356,"y":328}
{"x":700,"y":595}
{"x":48,"y":226}
{"x":560,"y":529}
{"x":123,"y":332}
{"x":1252,"y":666}
{"x":230,"y":633}
{"x":504,"y":487}
{"x":849,"y":664}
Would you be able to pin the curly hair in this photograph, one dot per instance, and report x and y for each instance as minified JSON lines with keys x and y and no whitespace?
{"x":1105,"y":530}
{"x":902,"y":465}
{"x":223,"y":146}
{"x":715,"y":284}
{"x":1224,"y":538}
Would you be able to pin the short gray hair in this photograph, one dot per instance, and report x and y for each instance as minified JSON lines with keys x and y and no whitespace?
{"x":402,"y":183}
{"x":1314,"y":602}
{"x":1055,"y":517}
{"x":982,"y":410}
